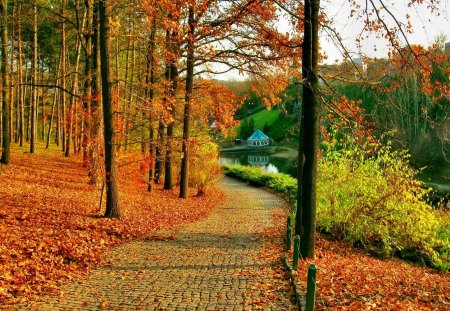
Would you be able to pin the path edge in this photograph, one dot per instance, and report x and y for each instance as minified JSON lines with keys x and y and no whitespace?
{"x":299,"y":300}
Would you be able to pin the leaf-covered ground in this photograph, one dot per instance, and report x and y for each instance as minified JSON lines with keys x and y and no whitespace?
{"x":50,"y":224}
{"x":350,"y":279}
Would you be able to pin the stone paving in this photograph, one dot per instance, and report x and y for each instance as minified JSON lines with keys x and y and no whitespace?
{"x":211,"y":264}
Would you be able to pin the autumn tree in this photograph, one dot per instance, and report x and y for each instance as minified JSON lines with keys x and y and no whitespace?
{"x":34,"y":74}
{"x":377,"y":17}
{"x":6,"y":134}
{"x":112,"y":204}
{"x":187,"y":106}
{"x":310,"y":134}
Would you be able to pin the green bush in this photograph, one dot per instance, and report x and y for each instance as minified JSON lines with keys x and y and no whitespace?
{"x":369,"y":196}
{"x":281,"y":183}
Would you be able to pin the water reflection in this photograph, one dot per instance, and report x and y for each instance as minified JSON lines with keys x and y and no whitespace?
{"x":268,"y":163}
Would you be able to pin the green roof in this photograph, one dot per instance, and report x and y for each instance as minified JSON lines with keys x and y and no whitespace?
{"x":258,"y":135}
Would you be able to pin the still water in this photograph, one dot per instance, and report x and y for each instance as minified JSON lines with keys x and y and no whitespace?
{"x":270,"y":163}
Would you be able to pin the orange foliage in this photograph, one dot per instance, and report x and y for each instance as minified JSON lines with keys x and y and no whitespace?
{"x":421,"y":60}
{"x":212,"y":101}
{"x":50,"y":224}
{"x":349,"y":279}
{"x":347,"y":114}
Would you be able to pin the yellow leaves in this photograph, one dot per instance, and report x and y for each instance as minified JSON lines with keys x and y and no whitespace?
{"x":114,"y":24}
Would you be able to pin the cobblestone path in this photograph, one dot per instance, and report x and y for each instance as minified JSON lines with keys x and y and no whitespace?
{"x":212,"y":264}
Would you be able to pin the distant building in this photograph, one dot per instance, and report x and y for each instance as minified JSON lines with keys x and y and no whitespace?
{"x":258,"y":139}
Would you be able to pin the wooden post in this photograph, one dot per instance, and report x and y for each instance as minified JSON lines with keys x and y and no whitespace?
{"x":296,"y":252}
{"x":311,"y":288}
{"x":288,"y":238}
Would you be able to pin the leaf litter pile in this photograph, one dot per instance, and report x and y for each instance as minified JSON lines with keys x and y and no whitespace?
{"x":350,"y":279}
{"x":51,"y":229}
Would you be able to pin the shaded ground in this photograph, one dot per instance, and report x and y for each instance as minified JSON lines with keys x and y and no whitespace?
{"x":226,"y":261}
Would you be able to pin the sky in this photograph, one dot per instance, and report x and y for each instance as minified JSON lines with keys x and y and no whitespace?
{"x":427,"y":27}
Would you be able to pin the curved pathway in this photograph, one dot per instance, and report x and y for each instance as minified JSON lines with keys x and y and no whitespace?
{"x":212,"y":264}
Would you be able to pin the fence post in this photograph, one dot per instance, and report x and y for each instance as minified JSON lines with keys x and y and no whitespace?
{"x":296,"y":252}
{"x":311,"y":288}
{"x":288,"y":238}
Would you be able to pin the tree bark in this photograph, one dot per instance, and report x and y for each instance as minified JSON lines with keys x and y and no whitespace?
{"x":159,"y":153}
{"x":6,"y":120}
{"x":63,"y":75}
{"x":33,"y":125}
{"x":87,"y":98}
{"x":184,"y":178}
{"x":52,"y":113}
{"x":311,"y":127}
{"x":173,"y":78}
{"x":20,"y":76}
{"x":95,"y":118}
{"x":11,"y":81}
{"x":150,"y":77}
{"x":72,"y":103}
{"x":300,"y":163}
{"x":112,"y":204}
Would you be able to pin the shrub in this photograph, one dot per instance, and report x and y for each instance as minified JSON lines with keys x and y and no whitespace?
{"x":281,"y":183}
{"x":369,"y":196}
{"x":203,"y":168}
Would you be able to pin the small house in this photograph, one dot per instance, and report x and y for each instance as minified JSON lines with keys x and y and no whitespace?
{"x":258,"y":139}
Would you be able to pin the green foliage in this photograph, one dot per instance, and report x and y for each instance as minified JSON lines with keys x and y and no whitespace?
{"x":369,"y":196}
{"x":251,"y":105}
{"x":247,"y":128}
{"x":274,"y":123}
{"x":282,"y":183}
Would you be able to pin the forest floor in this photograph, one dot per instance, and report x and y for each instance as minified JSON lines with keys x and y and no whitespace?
{"x":350,"y":279}
{"x":52,"y":235}
{"x":51,"y":229}
{"x":229,"y":260}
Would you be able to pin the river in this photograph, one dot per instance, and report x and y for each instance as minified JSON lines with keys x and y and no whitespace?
{"x":271,"y":160}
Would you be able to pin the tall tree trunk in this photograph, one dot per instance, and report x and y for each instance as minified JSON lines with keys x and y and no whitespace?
{"x":33,"y":125}
{"x":310,"y":52}
{"x":300,"y":163}
{"x":72,"y":103}
{"x":112,"y":204}
{"x":184,"y":179}
{"x":159,"y":153}
{"x":58,"y":120}
{"x":150,"y":81}
{"x":42,"y":102}
{"x":20,"y":76}
{"x":6,"y":120}
{"x":128,"y":112}
{"x":63,"y":75}
{"x":116,"y":98}
{"x":87,"y":98}
{"x":173,"y":77}
{"x":52,"y":113}
{"x":95,"y":118}
{"x":126,"y":84}
{"x":12,"y":82}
